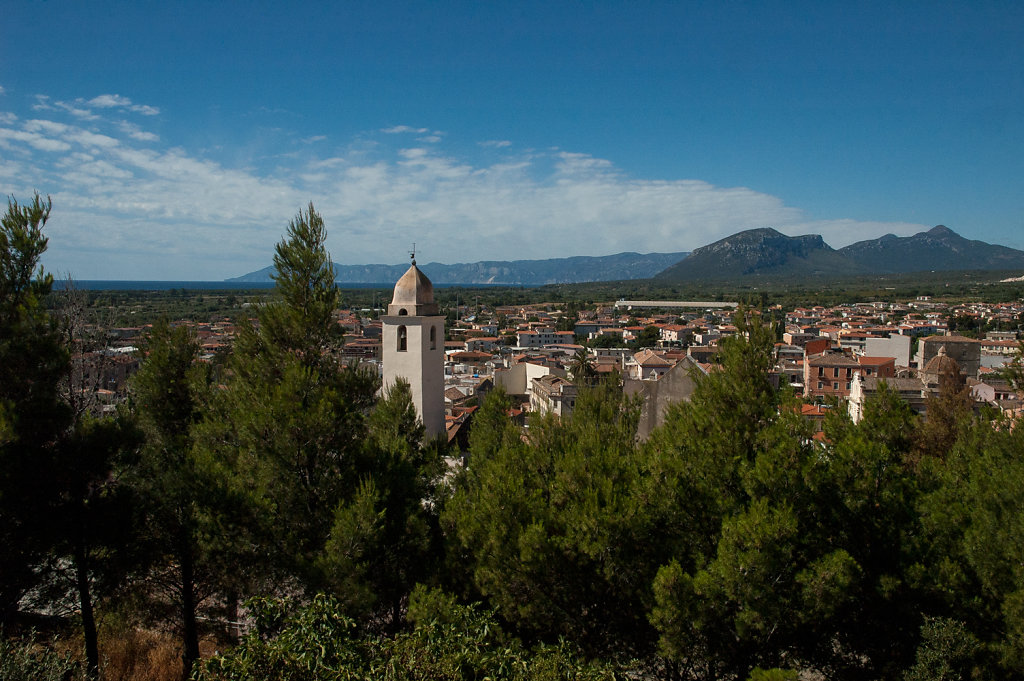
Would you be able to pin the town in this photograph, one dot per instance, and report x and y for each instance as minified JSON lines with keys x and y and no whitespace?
{"x":542,"y":353}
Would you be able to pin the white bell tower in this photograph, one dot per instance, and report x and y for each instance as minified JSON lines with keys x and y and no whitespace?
{"x":412,"y":346}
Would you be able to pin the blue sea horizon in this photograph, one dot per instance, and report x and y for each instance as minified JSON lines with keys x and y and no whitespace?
{"x":140,"y":285}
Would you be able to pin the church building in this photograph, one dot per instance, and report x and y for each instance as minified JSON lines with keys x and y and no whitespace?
{"x":412,"y":347}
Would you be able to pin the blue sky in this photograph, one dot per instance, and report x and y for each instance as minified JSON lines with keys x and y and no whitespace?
{"x":178,"y":139}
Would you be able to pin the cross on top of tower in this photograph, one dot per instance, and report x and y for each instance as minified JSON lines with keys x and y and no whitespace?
{"x":412,"y":255}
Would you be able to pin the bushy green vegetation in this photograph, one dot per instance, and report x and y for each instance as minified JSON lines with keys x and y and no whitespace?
{"x":23,"y":660}
{"x":730,"y":545}
{"x":445,"y":641}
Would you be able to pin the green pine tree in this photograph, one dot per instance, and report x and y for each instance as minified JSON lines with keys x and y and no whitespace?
{"x":192,"y":549}
{"x":289,"y":427}
{"x":33,"y":417}
{"x":385,"y":538}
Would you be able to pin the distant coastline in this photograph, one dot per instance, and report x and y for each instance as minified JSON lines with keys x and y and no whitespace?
{"x":139,"y":285}
{"x":133,"y":285}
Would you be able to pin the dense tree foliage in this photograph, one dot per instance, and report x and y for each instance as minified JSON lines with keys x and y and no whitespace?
{"x":548,"y":527}
{"x":61,"y":506}
{"x":32,"y":415}
{"x":287,"y":428}
{"x":192,"y":516}
{"x":385,"y":538}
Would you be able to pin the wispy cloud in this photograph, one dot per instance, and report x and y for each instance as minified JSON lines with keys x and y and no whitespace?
{"x":9,"y":138}
{"x":119,"y":102}
{"x":136,"y":133}
{"x":400,"y":129}
{"x":83,"y":109}
{"x":128,"y":205}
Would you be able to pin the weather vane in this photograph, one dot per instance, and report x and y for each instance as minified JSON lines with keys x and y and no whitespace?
{"x":412,"y":255}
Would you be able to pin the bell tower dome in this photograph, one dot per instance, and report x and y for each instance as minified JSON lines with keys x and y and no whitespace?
{"x":414,"y":294}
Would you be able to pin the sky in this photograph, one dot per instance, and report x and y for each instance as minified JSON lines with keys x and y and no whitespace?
{"x":177,"y":140}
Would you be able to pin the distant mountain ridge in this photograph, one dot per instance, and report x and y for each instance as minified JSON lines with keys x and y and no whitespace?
{"x":763,"y":251}
{"x":767,"y":252}
{"x":939,"y":248}
{"x":576,"y":269}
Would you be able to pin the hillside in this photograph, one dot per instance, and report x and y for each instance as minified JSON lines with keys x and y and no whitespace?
{"x":940,"y":248}
{"x":577,"y":269}
{"x":764,"y":253}
{"x":760,"y":252}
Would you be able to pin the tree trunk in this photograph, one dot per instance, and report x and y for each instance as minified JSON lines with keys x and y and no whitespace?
{"x":190,"y":627}
{"x":234,"y":627}
{"x":92,"y":651}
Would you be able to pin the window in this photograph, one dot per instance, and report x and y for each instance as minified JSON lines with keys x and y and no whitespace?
{"x":433,"y":338}
{"x":835,"y":385}
{"x":820,"y":385}
{"x":848,"y":385}
{"x":402,"y":312}
{"x":821,"y":371}
{"x":835,"y":372}
{"x":403,"y":339}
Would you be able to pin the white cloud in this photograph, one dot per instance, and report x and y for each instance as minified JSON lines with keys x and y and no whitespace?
{"x":85,"y":114}
{"x":125,"y":206}
{"x":137,"y":133}
{"x":42,"y":103}
{"x":91,"y":139}
{"x":9,"y":138}
{"x":2,"y":91}
{"x":108,"y":101}
{"x":83,"y":109}
{"x":399,"y":129}
{"x":49,"y":127}
{"x":143,"y":136}
{"x":117,"y":101}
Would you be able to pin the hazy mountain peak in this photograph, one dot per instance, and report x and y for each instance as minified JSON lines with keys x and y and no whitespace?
{"x":767,"y":252}
{"x":621,"y":266}
{"x":756,"y":251}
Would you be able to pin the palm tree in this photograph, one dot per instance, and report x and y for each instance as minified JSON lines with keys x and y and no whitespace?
{"x":582,"y":371}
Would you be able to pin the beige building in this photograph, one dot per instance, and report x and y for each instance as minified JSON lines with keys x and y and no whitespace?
{"x":965,"y":351}
{"x":552,"y":394}
{"x":412,"y":347}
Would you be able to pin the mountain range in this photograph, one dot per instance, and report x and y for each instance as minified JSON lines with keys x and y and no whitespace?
{"x":766,"y":252}
{"x":572,"y":270}
{"x":751,"y":254}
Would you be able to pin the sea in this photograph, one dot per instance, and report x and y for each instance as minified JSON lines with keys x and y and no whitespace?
{"x":127,"y":285}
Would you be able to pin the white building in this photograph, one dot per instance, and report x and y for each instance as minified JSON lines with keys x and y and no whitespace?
{"x":553,"y":394}
{"x":412,"y":347}
{"x":895,"y":345}
{"x":539,"y":338}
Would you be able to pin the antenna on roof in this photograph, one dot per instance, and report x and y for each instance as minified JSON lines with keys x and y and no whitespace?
{"x":412,"y":255}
